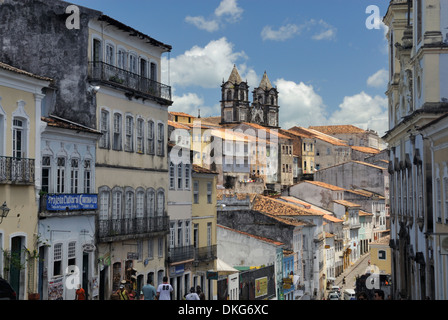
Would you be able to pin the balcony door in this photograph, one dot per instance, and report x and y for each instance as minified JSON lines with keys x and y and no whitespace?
{"x":18,"y":140}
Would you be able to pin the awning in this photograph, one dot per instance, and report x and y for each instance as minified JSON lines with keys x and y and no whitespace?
{"x":224,"y":269}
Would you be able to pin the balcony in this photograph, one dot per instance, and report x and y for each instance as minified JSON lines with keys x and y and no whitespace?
{"x":178,"y":254}
{"x":137,"y":85}
{"x":204,"y":254}
{"x":122,"y":229}
{"x":16,"y":170}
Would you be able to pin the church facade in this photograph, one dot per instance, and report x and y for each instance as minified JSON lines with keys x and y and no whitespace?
{"x":236,"y":107}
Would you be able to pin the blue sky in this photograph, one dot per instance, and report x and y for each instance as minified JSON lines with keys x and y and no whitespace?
{"x":329,"y":68}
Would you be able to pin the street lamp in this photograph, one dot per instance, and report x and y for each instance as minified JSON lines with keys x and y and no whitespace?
{"x":4,"y":211}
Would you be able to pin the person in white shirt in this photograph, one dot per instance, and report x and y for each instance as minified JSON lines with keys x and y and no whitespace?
{"x":164,"y":290}
{"x":192,"y":295}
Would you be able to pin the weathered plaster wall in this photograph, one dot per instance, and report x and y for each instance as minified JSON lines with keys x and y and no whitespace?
{"x":34,"y":37}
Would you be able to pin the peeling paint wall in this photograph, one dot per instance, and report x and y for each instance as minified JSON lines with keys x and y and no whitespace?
{"x":34,"y":37}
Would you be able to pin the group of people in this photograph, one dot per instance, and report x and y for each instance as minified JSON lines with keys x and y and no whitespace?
{"x":163,"y":292}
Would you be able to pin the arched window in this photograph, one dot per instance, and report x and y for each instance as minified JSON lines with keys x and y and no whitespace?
{"x":160,"y":202}
{"x":150,"y":202}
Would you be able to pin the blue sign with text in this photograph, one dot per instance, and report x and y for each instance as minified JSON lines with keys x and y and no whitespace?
{"x":62,"y":202}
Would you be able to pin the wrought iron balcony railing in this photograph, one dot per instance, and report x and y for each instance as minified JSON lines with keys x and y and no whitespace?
{"x":177,"y":254}
{"x":206,"y":253}
{"x":16,"y":170}
{"x":132,"y":227}
{"x":101,"y":71}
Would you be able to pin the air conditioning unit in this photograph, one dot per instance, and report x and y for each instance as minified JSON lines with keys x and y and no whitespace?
{"x":444,"y":244}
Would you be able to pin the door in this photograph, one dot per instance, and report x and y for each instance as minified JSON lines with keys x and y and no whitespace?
{"x":85,"y":273}
{"x":15,"y":265}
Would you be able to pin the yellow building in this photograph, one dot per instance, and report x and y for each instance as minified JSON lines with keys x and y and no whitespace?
{"x":380,"y":256}
{"x":20,"y":110}
{"x":204,"y":219}
{"x":437,"y":133}
{"x":131,"y":164}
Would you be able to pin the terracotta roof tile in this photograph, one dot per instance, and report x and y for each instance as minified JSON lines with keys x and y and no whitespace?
{"x":336,"y":129}
{"x":20,"y":71}
{"x":281,"y":208}
{"x":324,"y":185}
{"x":347,"y":203}
{"x":365,"y":149}
{"x":199,"y":169}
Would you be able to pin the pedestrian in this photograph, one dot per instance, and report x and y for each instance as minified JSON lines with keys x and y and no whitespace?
{"x":80,"y":293}
{"x":379,"y":295}
{"x":123,"y":293}
{"x":164,"y":290}
{"x":148,"y":290}
{"x":200,"y":293}
{"x":192,"y":295}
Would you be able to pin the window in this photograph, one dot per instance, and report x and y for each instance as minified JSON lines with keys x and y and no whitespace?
{"x":133,"y":63}
{"x":18,"y":141}
{"x":153,"y":75}
{"x":116,"y":205}
{"x":151,"y":202}
{"x":160,"y":247}
{"x":110,"y":54}
{"x":57,"y":259}
{"x":71,"y":254}
{"x":172,"y":234}
{"x":46,"y":174}
{"x":74,"y":174}
{"x":140,"y":135}
{"x":129,"y":142}
{"x":196,"y":191}
{"x":140,"y":208}
{"x":117,"y":132}
{"x":187,"y":233}
{"x":160,"y":203}
{"x":60,"y":183}
{"x":122,"y":59}
{"x":179,"y":234}
{"x":151,"y":146}
{"x":382,"y":254}
{"x":438,"y":201}
{"x":143,"y":68}
{"x":179,"y":176}
{"x":104,"y":205}
{"x":87,"y":176}
{"x":187,"y":176}
{"x":104,"y":126}
{"x":160,"y":139}
{"x":97,"y":52}
{"x":209,"y":192}
{"x":209,"y":234}
{"x":129,"y":205}
{"x":172,"y":176}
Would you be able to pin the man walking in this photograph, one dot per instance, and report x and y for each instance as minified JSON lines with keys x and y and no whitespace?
{"x":164,"y":290}
{"x":149,"y":291}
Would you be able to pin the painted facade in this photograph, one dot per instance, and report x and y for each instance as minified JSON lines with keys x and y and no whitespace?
{"x":21,"y":95}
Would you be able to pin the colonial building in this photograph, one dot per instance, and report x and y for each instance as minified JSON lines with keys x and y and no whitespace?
{"x":417,"y":93}
{"x":21,"y":95}
{"x":67,"y":210}
{"x":204,"y":225}
{"x":110,"y":83}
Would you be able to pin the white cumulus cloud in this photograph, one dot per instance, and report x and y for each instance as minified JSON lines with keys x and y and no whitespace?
{"x":228,"y":11}
{"x":206,"y":66}
{"x":378,"y":79}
